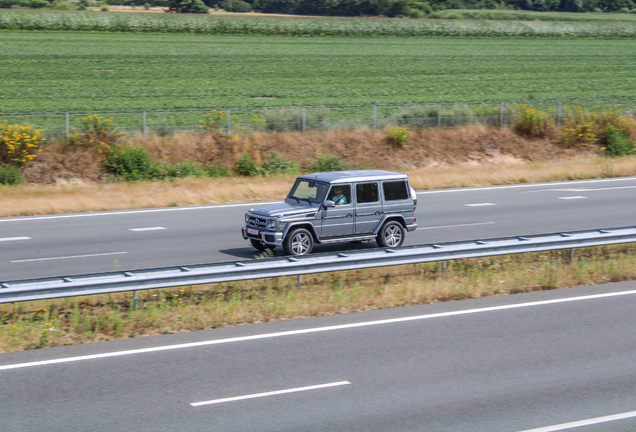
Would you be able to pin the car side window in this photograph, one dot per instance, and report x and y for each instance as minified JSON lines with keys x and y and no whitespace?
{"x":395,"y":190}
{"x":367,"y":193}
{"x":340,"y":194}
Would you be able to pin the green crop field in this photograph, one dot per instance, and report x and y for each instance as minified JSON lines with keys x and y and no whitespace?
{"x":58,"y":71}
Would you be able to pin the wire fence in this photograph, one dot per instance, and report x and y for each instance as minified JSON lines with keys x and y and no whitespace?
{"x":166,"y":122}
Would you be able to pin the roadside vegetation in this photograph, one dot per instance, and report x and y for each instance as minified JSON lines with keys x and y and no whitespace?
{"x":33,"y":325}
{"x":99,"y":168}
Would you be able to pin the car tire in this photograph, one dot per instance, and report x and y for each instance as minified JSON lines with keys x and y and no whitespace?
{"x":391,"y":235}
{"x":298,"y":242}
{"x":260,"y":245}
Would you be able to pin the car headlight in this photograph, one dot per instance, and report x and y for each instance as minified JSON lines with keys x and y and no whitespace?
{"x":247,"y":218}
{"x":271,"y":223}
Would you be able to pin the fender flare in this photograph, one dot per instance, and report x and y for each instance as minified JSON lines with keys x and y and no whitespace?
{"x":390,"y":217}
{"x":309,"y":227}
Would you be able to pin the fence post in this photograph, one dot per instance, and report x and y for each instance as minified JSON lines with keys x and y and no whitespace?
{"x":615,"y":101}
{"x":303,"y":121}
{"x":559,"y":113}
{"x":501,"y":104}
{"x":375,"y":116}
{"x":439,"y":115}
{"x":143,"y":128}
{"x":66,"y":132}
{"x":227,"y":125}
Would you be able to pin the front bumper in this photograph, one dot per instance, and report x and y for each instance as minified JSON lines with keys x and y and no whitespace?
{"x":269,"y":238}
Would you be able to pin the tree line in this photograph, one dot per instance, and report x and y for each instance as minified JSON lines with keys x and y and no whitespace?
{"x":394,"y":8}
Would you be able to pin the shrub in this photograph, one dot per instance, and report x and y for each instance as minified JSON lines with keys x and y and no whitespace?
{"x":187,"y":6}
{"x":183,"y":169}
{"x":213,"y":121}
{"x":130,"y":163}
{"x":591,"y":128}
{"x":398,"y":136}
{"x":96,"y":132}
{"x":10,"y":175}
{"x":275,"y":164}
{"x":617,"y":143}
{"x":19,"y":143}
{"x":247,"y":166}
{"x":533,"y":123}
{"x":7,"y":4}
{"x":218,"y":170}
{"x":62,"y":6}
{"x":327,"y":162}
{"x":283,"y":119}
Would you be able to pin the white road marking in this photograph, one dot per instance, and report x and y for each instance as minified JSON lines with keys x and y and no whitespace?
{"x":526,"y":185}
{"x":69,"y":257}
{"x":314,"y":330}
{"x":147,"y":229}
{"x":272,"y":393}
{"x":14,"y":238}
{"x":581,"y":189}
{"x":479,"y":204}
{"x":171,"y":209}
{"x":455,"y":226}
{"x":573,"y":197}
{"x":587,"y":422}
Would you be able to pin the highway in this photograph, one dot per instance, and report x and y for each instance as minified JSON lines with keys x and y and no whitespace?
{"x":62,"y":245}
{"x":536,"y":361}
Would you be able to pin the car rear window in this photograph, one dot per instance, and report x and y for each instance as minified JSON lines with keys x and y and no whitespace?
{"x":395,"y":190}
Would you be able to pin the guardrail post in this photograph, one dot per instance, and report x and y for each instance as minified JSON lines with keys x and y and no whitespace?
{"x":143,"y":127}
{"x":572,"y":256}
{"x":444,"y":269}
{"x":134,"y":300}
{"x":300,"y":282}
{"x":66,"y":132}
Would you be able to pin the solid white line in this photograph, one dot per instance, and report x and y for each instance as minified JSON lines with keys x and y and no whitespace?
{"x":14,"y":238}
{"x":314,"y":330}
{"x":171,"y":209}
{"x":456,"y":226}
{"x":525,"y":185}
{"x":479,"y":204}
{"x":587,"y":422}
{"x":69,"y":257}
{"x":272,"y":393}
{"x":580,"y":189}
{"x":147,"y":229}
{"x":573,"y":197}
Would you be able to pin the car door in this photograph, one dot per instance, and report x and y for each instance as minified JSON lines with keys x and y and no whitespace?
{"x":368,"y":210}
{"x":338,"y":220}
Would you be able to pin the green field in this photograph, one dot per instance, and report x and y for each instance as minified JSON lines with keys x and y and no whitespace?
{"x":57,"y":71}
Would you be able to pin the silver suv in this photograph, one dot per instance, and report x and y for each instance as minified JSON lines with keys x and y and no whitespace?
{"x":334,"y":207}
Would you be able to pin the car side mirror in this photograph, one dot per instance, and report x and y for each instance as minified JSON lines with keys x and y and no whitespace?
{"x":328,"y":204}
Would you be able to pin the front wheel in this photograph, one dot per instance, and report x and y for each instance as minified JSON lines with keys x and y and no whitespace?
{"x":260,"y":245}
{"x":391,"y":235}
{"x":298,"y":242}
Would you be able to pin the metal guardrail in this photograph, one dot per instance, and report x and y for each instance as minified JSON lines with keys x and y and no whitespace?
{"x":104,"y":283}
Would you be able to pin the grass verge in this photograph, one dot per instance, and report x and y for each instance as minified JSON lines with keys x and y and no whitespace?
{"x":33,"y":325}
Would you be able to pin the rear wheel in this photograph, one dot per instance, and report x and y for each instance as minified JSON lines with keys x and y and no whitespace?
{"x":391,"y":235}
{"x":260,"y":245}
{"x":298,"y":242}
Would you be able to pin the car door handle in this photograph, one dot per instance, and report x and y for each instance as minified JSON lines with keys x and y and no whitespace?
{"x":349,"y":215}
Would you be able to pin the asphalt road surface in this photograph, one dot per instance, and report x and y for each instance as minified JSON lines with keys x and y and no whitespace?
{"x":542,"y":361}
{"x":62,"y":245}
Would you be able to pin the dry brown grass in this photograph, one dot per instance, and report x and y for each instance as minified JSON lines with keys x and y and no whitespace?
{"x":82,"y":320}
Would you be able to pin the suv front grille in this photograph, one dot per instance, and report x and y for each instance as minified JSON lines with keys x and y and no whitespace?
{"x":257,"y":222}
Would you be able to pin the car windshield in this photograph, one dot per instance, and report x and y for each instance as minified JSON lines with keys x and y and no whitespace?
{"x":308,"y":191}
